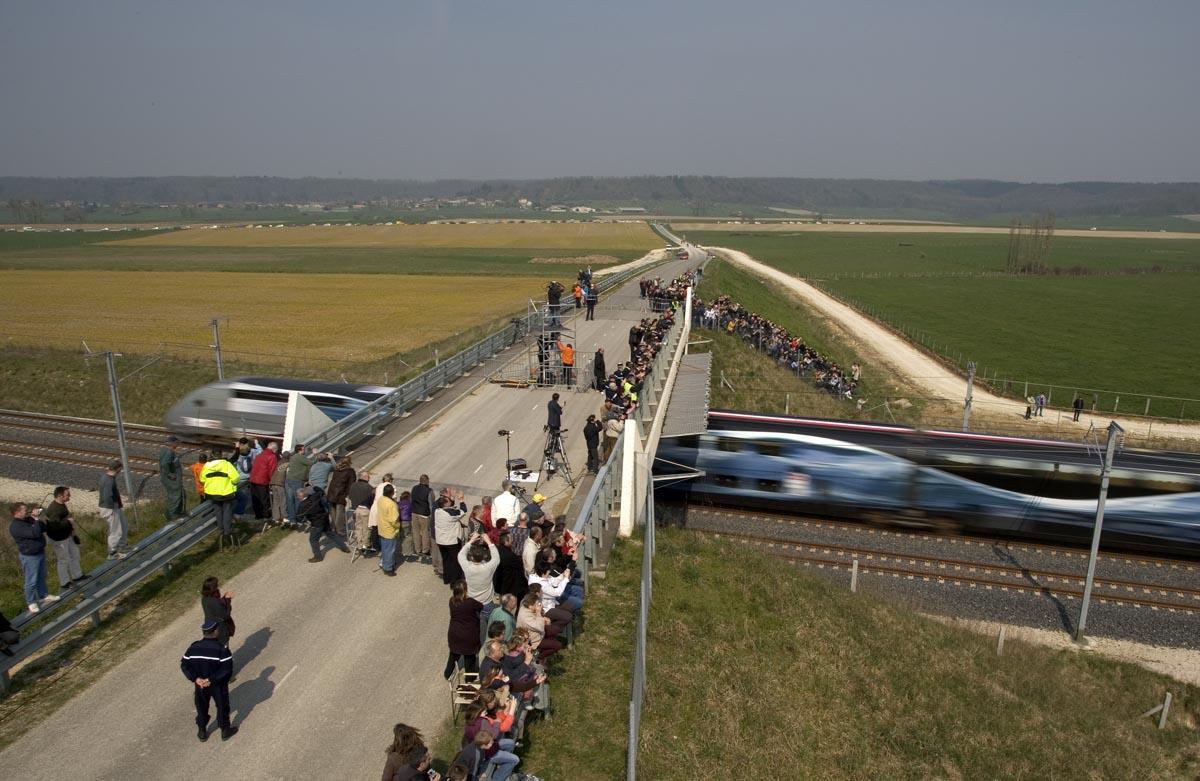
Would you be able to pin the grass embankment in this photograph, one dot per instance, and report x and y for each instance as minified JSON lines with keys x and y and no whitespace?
{"x":87,"y":653}
{"x":759,"y":383}
{"x":1088,"y":333}
{"x":758,"y":671}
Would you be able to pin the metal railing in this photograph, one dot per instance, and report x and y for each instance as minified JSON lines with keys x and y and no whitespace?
{"x":112,"y":579}
{"x":369,"y":420}
{"x":107,"y":583}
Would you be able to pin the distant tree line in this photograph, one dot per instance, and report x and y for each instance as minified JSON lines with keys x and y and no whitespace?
{"x":958,"y":199}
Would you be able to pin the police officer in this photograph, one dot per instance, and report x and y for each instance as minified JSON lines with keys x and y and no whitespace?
{"x":208,"y":664}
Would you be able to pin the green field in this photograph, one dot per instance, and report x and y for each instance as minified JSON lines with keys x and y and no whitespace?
{"x":1125,"y":333}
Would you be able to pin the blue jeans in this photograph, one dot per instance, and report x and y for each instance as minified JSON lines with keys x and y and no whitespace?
{"x":503,"y":762}
{"x":290,"y":488}
{"x":34,"y":568}
{"x":387,"y":558}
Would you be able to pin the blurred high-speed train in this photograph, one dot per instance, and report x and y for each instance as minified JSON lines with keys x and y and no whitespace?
{"x":809,"y":474}
{"x":257,"y":406}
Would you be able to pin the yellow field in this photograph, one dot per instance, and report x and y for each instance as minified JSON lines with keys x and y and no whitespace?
{"x":345,"y":317}
{"x":498,"y":235}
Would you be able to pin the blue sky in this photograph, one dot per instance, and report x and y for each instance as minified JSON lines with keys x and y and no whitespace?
{"x":417,"y":89}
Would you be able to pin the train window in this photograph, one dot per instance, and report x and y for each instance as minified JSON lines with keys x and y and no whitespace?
{"x":254,"y":395}
{"x":691,"y":443}
{"x":326,"y":401}
{"x":768,"y":485}
{"x":729,"y":445}
{"x":730,"y":481}
{"x":770,"y":448}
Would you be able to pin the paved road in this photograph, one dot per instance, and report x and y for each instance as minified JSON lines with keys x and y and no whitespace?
{"x":330,"y":655}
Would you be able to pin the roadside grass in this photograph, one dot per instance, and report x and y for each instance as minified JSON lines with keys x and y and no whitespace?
{"x":87,"y":653}
{"x":1112,"y":338}
{"x":484,"y":235}
{"x":759,"y":671}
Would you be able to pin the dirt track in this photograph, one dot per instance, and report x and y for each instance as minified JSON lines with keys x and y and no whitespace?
{"x":881,"y":346}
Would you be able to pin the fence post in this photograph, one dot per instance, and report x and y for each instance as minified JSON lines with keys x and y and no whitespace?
{"x":1000,"y":641}
{"x":1147,"y":413}
{"x":1117,"y":403}
{"x":854,"y":577}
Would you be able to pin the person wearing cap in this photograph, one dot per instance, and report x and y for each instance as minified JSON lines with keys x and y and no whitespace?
{"x":534,"y":512}
{"x":208,"y":664}
{"x":170,"y":472}
{"x":112,"y":511}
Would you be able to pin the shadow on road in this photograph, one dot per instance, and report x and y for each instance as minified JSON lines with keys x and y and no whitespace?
{"x":251,"y":693}
{"x":252,"y":647}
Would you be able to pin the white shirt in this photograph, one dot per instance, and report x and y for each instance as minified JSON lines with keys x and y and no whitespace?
{"x":506,"y":506}
{"x":373,"y":516}
{"x":552,"y":589}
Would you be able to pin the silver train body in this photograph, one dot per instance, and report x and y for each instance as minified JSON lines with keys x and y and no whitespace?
{"x":257,"y":406}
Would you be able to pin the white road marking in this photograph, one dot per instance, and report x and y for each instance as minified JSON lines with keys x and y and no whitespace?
{"x":477,"y":469}
{"x":289,"y":672}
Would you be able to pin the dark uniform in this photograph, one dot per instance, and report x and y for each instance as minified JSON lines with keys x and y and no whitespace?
{"x":315,"y":511}
{"x":211,"y":659}
{"x":170,"y":472}
{"x":591,"y":436}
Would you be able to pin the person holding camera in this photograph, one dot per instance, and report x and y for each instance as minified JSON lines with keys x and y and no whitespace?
{"x":554,"y":411}
{"x":479,"y":560}
{"x":449,"y":523}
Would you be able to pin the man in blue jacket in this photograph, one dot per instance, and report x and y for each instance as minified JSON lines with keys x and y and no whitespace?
{"x":30,"y":536}
{"x":208,"y":664}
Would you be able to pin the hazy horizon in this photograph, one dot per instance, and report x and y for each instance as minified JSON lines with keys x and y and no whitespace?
{"x":433,"y":90}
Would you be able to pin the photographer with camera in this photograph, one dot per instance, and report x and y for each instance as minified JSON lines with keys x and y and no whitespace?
{"x":554,"y":411}
{"x":479,"y":560}
{"x":449,"y":523}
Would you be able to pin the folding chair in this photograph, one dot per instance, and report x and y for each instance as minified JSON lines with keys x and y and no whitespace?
{"x":464,"y":688}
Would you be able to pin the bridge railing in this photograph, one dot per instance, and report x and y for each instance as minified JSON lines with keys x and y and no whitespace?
{"x":106,"y":584}
{"x":371,"y":419}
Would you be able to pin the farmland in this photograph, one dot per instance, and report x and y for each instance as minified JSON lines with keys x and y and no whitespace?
{"x":1113,"y":330}
{"x":491,"y":235}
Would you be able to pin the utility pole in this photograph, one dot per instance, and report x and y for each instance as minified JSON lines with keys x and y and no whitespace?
{"x":116,"y":405}
{"x":970,"y":395}
{"x":216,"y":345}
{"x":1114,"y":431}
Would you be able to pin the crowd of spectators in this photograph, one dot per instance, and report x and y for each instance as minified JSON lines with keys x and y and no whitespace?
{"x":786,"y":349}
{"x":514,"y":594}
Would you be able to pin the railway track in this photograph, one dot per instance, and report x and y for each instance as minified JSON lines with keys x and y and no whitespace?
{"x":958,"y":571}
{"x":963,"y":539}
{"x":973,"y":574}
{"x":73,"y":456}
{"x":67,"y":441}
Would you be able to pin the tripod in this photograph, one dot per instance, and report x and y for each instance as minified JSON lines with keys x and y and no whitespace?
{"x":554,"y":457}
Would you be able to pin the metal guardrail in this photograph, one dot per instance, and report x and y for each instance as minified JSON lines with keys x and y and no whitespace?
{"x":369,"y":420}
{"x":112,"y":579}
{"x":107,"y":583}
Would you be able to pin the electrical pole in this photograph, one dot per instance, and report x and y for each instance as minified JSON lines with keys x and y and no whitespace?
{"x":970,"y":395}
{"x":216,"y":345}
{"x":1114,"y":431}
{"x":116,"y":404}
